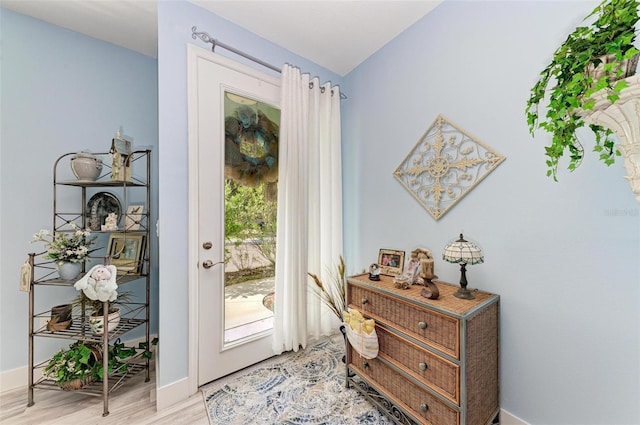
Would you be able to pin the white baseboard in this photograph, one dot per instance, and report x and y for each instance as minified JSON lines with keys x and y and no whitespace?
{"x":507,"y":418}
{"x":14,"y":379}
{"x":171,"y":394}
{"x":17,"y":378}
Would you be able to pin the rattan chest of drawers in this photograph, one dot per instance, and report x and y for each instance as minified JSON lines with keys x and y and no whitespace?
{"x":438,"y":359}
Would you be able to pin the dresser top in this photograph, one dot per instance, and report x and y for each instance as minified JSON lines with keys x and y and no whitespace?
{"x":446,"y":302}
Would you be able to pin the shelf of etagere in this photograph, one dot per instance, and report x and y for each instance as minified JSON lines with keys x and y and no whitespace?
{"x":80,"y":329}
{"x":136,"y":364}
{"x":104,"y":183}
{"x":56,"y":281}
{"x":104,"y":179}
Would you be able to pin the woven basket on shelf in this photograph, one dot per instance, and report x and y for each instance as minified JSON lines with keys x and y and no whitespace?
{"x":76,"y":384}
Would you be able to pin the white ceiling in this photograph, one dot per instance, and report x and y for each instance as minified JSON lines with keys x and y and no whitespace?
{"x":337,"y":34}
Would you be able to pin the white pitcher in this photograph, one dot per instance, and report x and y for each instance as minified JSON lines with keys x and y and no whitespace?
{"x":86,"y":166}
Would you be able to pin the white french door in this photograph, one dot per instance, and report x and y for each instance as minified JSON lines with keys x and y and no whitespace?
{"x":224,"y":91}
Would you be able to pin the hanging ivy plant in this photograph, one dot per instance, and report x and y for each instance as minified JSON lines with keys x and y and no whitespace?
{"x":605,"y":45}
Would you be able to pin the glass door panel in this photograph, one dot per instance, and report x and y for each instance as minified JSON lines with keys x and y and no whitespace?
{"x":250,"y":207}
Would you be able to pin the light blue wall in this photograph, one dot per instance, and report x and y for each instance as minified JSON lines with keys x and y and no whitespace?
{"x":175,"y":19}
{"x":60,"y":92}
{"x":563,"y":256}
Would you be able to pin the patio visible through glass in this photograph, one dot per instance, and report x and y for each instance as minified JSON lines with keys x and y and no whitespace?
{"x":251,"y":193}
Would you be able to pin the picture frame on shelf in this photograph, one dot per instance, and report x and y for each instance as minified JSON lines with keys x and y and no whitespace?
{"x":99,"y":207}
{"x":391,"y":262}
{"x":126,"y":252}
{"x":133,"y":217}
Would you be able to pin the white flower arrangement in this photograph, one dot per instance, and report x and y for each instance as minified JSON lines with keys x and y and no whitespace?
{"x":66,"y":247}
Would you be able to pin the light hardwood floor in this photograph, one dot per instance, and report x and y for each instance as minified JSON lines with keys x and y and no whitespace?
{"x":132,"y":404}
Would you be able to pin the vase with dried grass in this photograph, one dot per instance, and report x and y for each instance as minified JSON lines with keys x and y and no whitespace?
{"x":332,"y":293}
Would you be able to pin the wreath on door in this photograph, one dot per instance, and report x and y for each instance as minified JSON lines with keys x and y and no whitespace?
{"x":251,"y":147}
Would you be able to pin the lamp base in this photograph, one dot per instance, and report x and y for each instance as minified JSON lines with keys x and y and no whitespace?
{"x":465,"y":294}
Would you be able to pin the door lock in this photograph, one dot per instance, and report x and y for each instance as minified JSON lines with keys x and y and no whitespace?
{"x":207,"y":245}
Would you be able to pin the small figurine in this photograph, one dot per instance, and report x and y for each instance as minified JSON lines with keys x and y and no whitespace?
{"x":374,"y":272}
{"x":121,"y":153}
{"x":426,"y":277}
{"x":99,"y":283}
{"x":430,"y":291}
{"x":110,"y":223}
{"x":402,"y":282}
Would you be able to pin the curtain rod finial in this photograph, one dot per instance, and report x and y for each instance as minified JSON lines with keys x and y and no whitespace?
{"x":201,"y":35}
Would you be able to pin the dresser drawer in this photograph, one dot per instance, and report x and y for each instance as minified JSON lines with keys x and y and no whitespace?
{"x":438,"y":374}
{"x":420,"y":403}
{"x":437,"y":330}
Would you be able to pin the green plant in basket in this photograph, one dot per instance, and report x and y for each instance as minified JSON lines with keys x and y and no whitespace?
{"x":75,"y":367}
{"x":81,"y":364}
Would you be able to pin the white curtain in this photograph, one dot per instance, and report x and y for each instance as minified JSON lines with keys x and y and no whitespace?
{"x":309,"y":207}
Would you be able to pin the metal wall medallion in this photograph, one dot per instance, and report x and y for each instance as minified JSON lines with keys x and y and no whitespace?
{"x":445,"y":165}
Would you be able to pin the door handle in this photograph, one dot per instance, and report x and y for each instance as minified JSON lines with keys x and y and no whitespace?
{"x":207,"y":264}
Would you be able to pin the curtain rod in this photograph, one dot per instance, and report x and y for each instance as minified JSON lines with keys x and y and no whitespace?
{"x":207,"y":39}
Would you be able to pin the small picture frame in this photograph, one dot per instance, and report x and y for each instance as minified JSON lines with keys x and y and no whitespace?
{"x":127,"y":253}
{"x":133,"y":218}
{"x":391,"y":262}
{"x":412,"y":270}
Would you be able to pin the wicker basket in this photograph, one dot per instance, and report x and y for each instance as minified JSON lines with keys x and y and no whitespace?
{"x":76,"y":384}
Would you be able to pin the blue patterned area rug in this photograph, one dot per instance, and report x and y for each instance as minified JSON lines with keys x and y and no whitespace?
{"x":306,"y":387}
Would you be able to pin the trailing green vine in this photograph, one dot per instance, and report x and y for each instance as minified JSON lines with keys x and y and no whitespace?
{"x":572,"y":80}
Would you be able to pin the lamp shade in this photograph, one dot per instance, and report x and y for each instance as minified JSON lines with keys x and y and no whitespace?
{"x":463,"y":251}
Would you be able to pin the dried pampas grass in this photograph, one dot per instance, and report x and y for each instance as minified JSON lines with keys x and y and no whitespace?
{"x":332,"y":293}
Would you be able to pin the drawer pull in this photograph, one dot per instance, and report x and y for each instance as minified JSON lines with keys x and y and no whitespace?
{"x":422,"y":325}
{"x":364,"y":301}
{"x":424,"y":407}
{"x":423,"y":366}
{"x":365,"y":365}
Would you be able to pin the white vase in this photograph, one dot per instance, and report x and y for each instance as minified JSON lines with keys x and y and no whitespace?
{"x":97,"y":322}
{"x":69,"y":271}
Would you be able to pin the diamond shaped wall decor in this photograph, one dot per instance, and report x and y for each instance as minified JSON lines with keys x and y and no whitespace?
{"x":445,"y":165}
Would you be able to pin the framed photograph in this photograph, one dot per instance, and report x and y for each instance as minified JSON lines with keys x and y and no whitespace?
{"x":412,"y":270}
{"x":133,"y":217}
{"x":391,"y":262}
{"x":99,"y":207}
{"x":127,"y":253}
